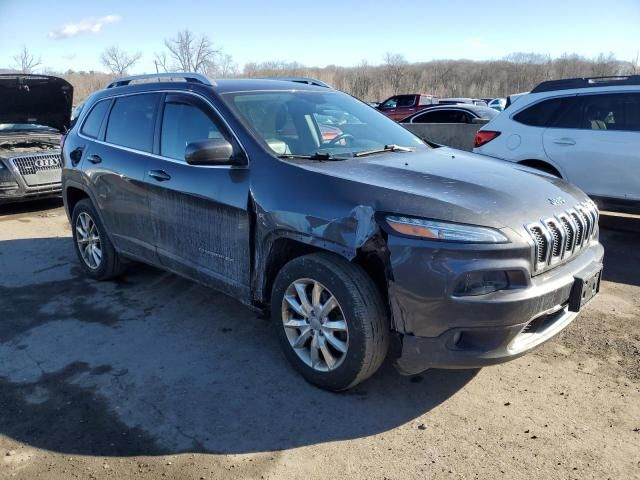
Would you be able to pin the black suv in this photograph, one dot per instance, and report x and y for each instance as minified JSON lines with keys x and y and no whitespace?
{"x":303,"y":200}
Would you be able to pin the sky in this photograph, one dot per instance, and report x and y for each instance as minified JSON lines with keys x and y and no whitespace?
{"x":71,"y":34}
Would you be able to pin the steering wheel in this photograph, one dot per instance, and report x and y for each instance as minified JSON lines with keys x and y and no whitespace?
{"x":342,"y":136}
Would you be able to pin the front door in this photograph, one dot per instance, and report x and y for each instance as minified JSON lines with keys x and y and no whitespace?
{"x":199,"y":214}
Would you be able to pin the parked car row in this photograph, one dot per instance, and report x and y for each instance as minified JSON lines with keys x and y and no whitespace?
{"x":400,"y":107}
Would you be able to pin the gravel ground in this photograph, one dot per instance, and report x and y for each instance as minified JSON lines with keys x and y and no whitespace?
{"x":154,"y":377}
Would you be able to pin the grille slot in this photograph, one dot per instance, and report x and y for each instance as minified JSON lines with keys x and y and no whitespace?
{"x":569,"y":232}
{"x":556,"y":239}
{"x":541,"y":243}
{"x":561,"y":237}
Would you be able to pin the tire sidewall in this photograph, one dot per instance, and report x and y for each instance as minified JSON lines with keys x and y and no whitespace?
{"x":345,"y":374}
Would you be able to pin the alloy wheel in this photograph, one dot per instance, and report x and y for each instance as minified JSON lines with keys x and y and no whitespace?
{"x":88,"y":240}
{"x":315,"y":325}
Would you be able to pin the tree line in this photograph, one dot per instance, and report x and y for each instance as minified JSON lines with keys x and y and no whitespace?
{"x":514,"y":73}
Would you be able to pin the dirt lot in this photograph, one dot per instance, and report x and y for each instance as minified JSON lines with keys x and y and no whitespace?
{"x":156,"y":377}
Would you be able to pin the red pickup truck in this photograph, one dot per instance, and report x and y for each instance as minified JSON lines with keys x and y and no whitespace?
{"x":401,"y":106}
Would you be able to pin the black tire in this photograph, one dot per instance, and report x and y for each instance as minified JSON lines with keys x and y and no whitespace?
{"x":364,"y":311}
{"x":111,"y":264}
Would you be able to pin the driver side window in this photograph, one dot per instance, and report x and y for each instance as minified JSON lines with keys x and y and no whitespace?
{"x":182,"y":124}
{"x":391,"y":103}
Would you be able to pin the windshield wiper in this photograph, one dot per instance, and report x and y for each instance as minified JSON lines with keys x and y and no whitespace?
{"x":387,"y":148}
{"x":315,"y":156}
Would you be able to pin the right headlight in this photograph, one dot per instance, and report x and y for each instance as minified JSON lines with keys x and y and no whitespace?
{"x":451,"y":232}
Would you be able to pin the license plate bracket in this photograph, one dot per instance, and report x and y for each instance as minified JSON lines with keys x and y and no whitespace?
{"x":585,"y":287}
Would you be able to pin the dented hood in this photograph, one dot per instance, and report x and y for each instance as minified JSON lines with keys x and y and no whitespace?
{"x":37,"y":99}
{"x":453,"y":185}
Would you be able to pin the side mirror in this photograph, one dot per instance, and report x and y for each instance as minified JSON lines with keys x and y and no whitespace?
{"x":215,"y":151}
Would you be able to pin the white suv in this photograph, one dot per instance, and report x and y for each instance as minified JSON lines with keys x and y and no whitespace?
{"x":585,"y":130}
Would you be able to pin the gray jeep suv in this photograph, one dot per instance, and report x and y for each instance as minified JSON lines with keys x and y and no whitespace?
{"x":303,"y":201}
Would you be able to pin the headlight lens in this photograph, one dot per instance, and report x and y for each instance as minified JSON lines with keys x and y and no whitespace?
{"x":452,"y":232}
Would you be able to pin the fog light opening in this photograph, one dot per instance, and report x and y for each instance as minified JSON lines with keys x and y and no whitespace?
{"x":481,"y":283}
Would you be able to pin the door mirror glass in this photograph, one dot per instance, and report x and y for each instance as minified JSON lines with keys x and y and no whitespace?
{"x":216,"y":151}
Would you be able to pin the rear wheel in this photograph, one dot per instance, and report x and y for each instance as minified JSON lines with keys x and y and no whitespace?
{"x":95,"y":251}
{"x":330,"y":319}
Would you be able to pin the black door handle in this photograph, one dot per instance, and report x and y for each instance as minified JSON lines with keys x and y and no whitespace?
{"x":76,"y":155}
{"x":159,"y":175}
{"x":94,"y":158}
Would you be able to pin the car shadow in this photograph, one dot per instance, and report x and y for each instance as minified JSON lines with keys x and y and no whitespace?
{"x":619,"y":235}
{"x":30,"y":206}
{"x":155,"y":364}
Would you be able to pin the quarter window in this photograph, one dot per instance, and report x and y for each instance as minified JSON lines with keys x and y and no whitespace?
{"x":131,"y":121}
{"x":182,"y":124}
{"x":91,"y":126}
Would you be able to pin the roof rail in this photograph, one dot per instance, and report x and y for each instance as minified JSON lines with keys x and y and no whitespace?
{"x":187,"y":76}
{"x":587,"y":82}
{"x":306,"y":80}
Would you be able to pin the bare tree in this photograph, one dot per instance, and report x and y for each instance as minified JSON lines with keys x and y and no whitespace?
{"x":226,"y":66}
{"x":118,"y":61}
{"x":26,"y":62}
{"x":395,"y":66}
{"x":191,"y":53}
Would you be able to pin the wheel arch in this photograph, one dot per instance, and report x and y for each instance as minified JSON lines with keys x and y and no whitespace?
{"x":542,"y":165}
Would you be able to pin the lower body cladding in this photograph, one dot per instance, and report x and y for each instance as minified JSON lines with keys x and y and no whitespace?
{"x":29,"y":177}
{"x":443,"y":326}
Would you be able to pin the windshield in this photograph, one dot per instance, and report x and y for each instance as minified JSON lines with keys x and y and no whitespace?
{"x":23,"y":127}
{"x":307,"y":123}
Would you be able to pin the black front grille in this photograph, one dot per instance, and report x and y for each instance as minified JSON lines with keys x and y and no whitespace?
{"x":559,"y":238}
{"x":32,"y":164}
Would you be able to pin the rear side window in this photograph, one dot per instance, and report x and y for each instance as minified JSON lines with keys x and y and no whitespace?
{"x":183,"y":124}
{"x":131,"y":121}
{"x":618,"y":111}
{"x":406,"y":101}
{"x":91,"y":126}
{"x":426,"y":100}
{"x":545,"y":113}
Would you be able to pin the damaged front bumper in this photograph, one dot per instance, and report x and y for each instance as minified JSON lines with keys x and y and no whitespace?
{"x":441,"y":330}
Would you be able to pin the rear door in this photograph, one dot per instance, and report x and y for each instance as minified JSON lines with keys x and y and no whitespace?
{"x":115,"y":163}
{"x":199,"y":214}
{"x":597,"y":144}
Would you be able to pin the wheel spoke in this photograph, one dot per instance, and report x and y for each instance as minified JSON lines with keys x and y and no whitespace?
{"x":335,"y":326}
{"x":97,"y":254}
{"x":301,"y":340}
{"x":302,"y":295}
{"x":293,"y":303}
{"x":328,"y":306}
{"x":293,"y":323}
{"x":81,"y":232}
{"x":326,"y":353}
{"x":315,"y":352}
{"x":337,"y":344}
{"x":316,"y":293}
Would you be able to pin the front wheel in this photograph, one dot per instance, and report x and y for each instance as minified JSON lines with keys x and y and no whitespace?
{"x":331,"y":320}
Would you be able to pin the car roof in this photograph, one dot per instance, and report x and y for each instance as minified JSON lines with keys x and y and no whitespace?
{"x":217,"y":86}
